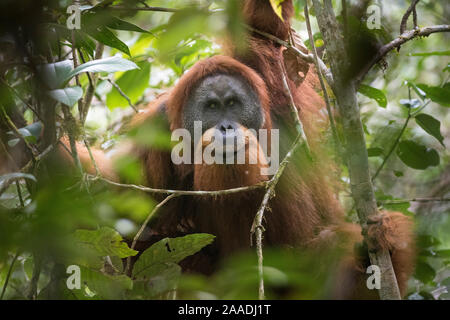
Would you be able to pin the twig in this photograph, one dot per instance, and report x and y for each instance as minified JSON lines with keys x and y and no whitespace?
{"x":32,"y":290}
{"x":412,"y":8}
{"x":75,"y":64}
{"x":400,"y":201}
{"x":404,"y":37}
{"x":19,"y":193}
{"x":8,"y":275}
{"x":322,"y":84}
{"x":397,"y":140}
{"x":306,"y":57}
{"x":91,"y":89}
{"x":182,"y":192}
{"x":146,"y":8}
{"x":17,"y":132}
{"x":144,"y":225}
{"x":257,"y":228}
{"x":21,"y":99}
{"x":70,"y":126}
{"x":123,"y":94}
{"x":97,"y":171}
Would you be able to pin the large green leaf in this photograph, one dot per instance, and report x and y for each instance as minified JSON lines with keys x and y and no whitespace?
{"x":118,"y":24}
{"x":431,"y":126}
{"x":106,"y":286}
{"x":107,"y":37}
{"x":55,"y":74}
{"x":133,"y":83}
{"x":417,"y":156}
{"x":158,"y":279}
{"x":439,"y":95}
{"x":373,"y":93}
{"x":68,"y":96}
{"x":424,"y":272}
{"x":171,"y":250}
{"x":105,"y":241}
{"x":112,"y":64}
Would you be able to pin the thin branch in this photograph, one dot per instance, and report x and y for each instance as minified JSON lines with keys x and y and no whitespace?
{"x":257,"y":228}
{"x":404,"y":37}
{"x":322,"y":83}
{"x":412,"y":8}
{"x":17,"y":132}
{"x":32,"y":290}
{"x":146,"y":8}
{"x":401,"y":201}
{"x":391,"y":150}
{"x":182,"y":192}
{"x":75,"y":64}
{"x":86,"y":144}
{"x":115,"y":85}
{"x":70,"y":126}
{"x":144,"y":225}
{"x":91,"y":89}
{"x":306,"y":57}
{"x":8,"y":275}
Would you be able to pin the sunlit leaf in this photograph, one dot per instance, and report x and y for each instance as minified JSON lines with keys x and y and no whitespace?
{"x":106,"y":241}
{"x":133,"y":83}
{"x":112,"y":64}
{"x":277,"y":8}
{"x":68,"y":96}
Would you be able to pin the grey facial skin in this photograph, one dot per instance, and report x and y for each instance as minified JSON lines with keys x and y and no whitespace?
{"x":223,"y":101}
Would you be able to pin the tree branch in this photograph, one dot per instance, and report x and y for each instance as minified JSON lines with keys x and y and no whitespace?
{"x":412,"y":8}
{"x":403,"y":38}
{"x":355,"y":145}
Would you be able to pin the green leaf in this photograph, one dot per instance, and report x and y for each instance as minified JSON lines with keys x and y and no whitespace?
{"x":417,"y":156}
{"x":158,"y":279}
{"x":437,"y":94}
{"x":112,"y":64}
{"x":106,"y":286}
{"x":55,"y":74}
{"x":105,"y":241}
{"x":171,"y":250}
{"x":374,"y":152}
{"x":374,"y":93}
{"x":105,"y":36}
{"x":118,"y":24}
{"x":277,"y":8}
{"x":68,"y":96}
{"x":433,"y":53}
{"x":431,"y":126}
{"x":419,"y":91}
{"x":424,"y":272}
{"x":133,"y":83}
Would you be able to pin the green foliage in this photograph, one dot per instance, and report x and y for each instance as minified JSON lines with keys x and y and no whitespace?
{"x":416,"y":155}
{"x":373,"y":93}
{"x":43,"y":209}
{"x":133,"y":82}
